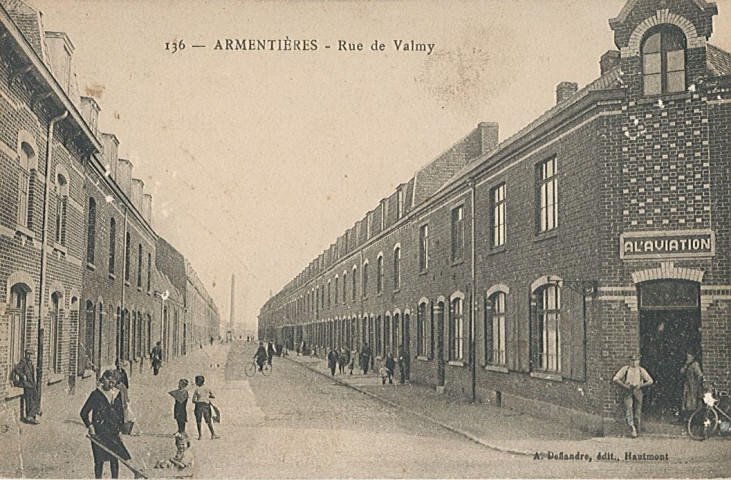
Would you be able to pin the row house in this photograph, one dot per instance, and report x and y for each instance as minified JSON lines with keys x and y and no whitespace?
{"x":525,"y":272}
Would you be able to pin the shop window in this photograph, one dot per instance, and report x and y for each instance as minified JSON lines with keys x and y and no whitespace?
{"x":663,"y":61}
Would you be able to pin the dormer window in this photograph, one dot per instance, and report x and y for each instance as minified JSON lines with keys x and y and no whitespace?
{"x":663,"y":61}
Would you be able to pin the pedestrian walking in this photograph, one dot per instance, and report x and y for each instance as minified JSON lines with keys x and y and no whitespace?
{"x":692,"y":385}
{"x":202,"y":397}
{"x":633,"y":378}
{"x":402,"y":364}
{"x":180,"y":408}
{"x":156,"y":358}
{"x":344,"y":359}
{"x":103,"y":416}
{"x":365,"y":358}
{"x":390,"y":366}
{"x":23,"y":376}
{"x":122,"y":384}
{"x":332,"y":361}
{"x":270,"y":352}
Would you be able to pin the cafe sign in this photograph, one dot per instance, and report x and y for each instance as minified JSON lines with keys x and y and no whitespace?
{"x":661,"y":245}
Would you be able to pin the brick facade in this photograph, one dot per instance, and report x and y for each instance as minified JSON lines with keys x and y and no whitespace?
{"x":627,"y":166}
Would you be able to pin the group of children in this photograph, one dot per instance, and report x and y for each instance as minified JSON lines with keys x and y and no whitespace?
{"x":203,"y":409}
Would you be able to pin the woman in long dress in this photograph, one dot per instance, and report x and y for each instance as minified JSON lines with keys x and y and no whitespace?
{"x":692,"y":385}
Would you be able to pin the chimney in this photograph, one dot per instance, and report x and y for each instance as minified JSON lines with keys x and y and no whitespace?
{"x":489,"y":136}
{"x":609,"y":60}
{"x":564,"y":90}
{"x":147,"y":208}
{"x":60,"y":50}
{"x":137,"y":188}
{"x":111,"y":152}
{"x":124,"y":176}
{"x":90,"y":111}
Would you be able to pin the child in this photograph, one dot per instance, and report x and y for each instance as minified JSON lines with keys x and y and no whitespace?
{"x":183,"y":458}
{"x":202,"y":400}
{"x":180,"y":410}
{"x":383,"y":372}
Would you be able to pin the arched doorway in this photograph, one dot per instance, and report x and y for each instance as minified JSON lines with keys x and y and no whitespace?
{"x":670,"y":327}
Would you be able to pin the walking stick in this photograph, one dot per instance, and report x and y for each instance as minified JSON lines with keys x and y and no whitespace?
{"x":137,"y":472}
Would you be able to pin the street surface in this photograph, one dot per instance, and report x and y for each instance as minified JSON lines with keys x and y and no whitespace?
{"x":301,"y":423}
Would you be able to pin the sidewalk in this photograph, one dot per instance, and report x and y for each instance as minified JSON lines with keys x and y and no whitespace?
{"x":516,"y":433}
{"x":58,"y":447}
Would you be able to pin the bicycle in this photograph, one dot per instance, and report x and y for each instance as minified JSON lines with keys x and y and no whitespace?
{"x":251,"y":369}
{"x":704,"y":422}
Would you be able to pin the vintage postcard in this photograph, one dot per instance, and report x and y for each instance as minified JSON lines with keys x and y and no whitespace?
{"x":365,"y":239}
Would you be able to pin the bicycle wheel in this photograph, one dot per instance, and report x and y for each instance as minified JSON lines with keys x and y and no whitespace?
{"x":266,"y":369}
{"x":250,"y":370}
{"x":702,"y":423}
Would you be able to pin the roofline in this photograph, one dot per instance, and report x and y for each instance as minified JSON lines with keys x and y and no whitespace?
{"x":624,"y":13}
{"x":47,"y":76}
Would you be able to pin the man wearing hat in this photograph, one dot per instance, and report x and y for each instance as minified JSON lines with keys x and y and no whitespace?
{"x":24,"y":376}
{"x":633,"y":378}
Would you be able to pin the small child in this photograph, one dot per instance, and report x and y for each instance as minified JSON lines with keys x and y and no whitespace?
{"x":180,"y":410}
{"x":183,"y":458}
{"x":383,"y":372}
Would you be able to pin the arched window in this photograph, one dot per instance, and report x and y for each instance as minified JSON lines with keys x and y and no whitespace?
{"x":456,"y":329}
{"x":127,"y":254}
{"x":422,"y":331}
{"x":27,"y":161}
{"x":112,"y":244}
{"x":62,"y":195}
{"x":336,"y":290}
{"x":547,"y":327}
{"x":663,"y":61}
{"x":397,"y":268}
{"x":355,"y":283}
{"x":139,"y":265}
{"x":18,"y":320}
{"x":88,"y":347}
{"x":91,"y":231}
{"x":329,"y":294}
{"x":365,"y":279}
{"x":379,"y":274}
{"x":149,"y":271}
{"x":345,"y":285}
{"x":495,"y":334}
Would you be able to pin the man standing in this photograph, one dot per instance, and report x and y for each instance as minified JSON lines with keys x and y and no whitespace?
{"x":107,"y":416}
{"x":156,"y":358}
{"x":24,"y":376}
{"x":365,"y":358}
{"x":633,"y":378}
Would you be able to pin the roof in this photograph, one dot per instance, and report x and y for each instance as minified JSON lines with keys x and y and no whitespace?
{"x":718,"y":61}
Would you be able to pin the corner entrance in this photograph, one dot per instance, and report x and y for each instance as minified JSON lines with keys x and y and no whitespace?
{"x":670,"y":327}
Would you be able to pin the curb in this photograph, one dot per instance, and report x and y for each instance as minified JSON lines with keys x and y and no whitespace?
{"x":467,"y":435}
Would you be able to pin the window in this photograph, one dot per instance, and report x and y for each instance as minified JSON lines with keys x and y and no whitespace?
{"x":397,"y":268}
{"x":399,"y":203}
{"x":54,"y":336}
{"x":127,"y":253}
{"x":458,"y":233}
{"x":336,"y":290}
{"x":423,"y":248}
{"x":329,"y":292}
{"x":497,"y":226}
{"x":365,"y":279}
{"x":456,"y":330}
{"x":547,"y":196}
{"x":548,"y":319}
{"x":139,"y":265}
{"x":663,"y":61}
{"x":422,"y":331}
{"x":149,"y":270}
{"x":91,"y":231}
{"x":495,"y":327}
{"x":62,"y":195}
{"x":379,"y":274}
{"x":345,"y":285}
{"x":18,"y":318}
{"x":355,"y":283}
{"x":27,"y":159}
{"x":112,"y":244}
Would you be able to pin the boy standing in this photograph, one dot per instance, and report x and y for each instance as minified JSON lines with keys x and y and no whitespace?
{"x":202,"y":400}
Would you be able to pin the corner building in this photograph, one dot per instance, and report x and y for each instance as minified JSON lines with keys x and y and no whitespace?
{"x":525,"y":273}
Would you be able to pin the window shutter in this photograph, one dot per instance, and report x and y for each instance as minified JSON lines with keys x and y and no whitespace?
{"x":530,"y":342}
{"x":518,"y":330}
{"x":573,"y":334}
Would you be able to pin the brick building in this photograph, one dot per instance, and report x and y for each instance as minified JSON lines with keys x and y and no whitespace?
{"x":525,"y":272}
{"x":76,"y":238}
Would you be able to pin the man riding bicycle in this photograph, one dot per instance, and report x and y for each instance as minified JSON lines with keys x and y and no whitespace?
{"x":261,"y":356}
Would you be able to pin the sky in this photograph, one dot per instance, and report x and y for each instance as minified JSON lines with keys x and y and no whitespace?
{"x":258,"y":160}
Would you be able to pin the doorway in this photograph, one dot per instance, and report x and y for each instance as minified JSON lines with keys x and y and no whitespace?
{"x":670,"y":327}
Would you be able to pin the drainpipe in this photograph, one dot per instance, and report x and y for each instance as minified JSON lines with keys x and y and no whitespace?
{"x":44,"y":249}
{"x":472,"y":296}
